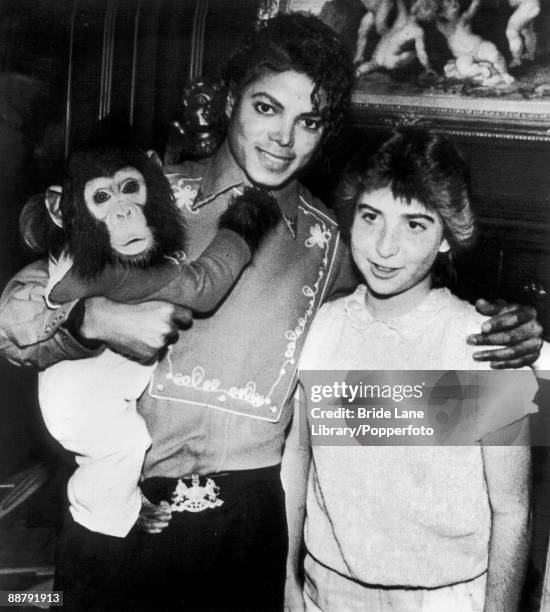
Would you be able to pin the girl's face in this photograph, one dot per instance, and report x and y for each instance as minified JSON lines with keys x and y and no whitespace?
{"x":395,"y":244}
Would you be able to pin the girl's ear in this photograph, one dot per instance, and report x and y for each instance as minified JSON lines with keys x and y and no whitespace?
{"x":444,"y":246}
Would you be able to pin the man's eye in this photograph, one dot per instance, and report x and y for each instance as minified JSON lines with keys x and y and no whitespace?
{"x":131,"y":186}
{"x":100,"y":197}
{"x":416,"y":227}
{"x":313,"y":125}
{"x":264,"y":108}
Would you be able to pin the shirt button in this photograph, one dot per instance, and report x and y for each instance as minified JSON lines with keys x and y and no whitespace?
{"x":221,"y":398}
{"x":160,"y":387}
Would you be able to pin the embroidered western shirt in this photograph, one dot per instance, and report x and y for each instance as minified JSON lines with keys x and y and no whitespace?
{"x":217,"y":400}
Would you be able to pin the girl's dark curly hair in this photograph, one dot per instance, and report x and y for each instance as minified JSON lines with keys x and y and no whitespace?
{"x":302,"y":43}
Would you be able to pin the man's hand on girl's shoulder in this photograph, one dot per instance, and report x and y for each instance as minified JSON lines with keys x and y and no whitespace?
{"x":515,"y":328}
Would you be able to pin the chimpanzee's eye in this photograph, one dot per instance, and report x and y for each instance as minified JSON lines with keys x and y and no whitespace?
{"x":100,"y":197}
{"x":130,"y":186}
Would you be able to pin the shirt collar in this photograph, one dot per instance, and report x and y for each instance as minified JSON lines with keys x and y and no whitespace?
{"x":222,"y":174}
{"x":421,"y":315}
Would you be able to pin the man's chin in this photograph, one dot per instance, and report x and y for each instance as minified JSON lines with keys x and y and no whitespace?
{"x":270,"y":180}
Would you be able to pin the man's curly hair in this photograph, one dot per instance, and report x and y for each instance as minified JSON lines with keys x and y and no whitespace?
{"x":302,"y":43}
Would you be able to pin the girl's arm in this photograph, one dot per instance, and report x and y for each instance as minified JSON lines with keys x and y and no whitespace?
{"x":294,"y":475}
{"x":507,"y":473}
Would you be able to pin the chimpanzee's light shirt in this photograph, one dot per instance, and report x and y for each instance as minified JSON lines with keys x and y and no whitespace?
{"x":399,"y":515}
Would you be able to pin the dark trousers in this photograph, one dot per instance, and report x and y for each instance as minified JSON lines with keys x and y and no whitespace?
{"x":221,"y":559}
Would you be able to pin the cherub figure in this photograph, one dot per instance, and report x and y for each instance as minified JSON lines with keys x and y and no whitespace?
{"x":376,"y":17}
{"x":392,"y":50}
{"x":520,"y":32}
{"x":475,"y":57}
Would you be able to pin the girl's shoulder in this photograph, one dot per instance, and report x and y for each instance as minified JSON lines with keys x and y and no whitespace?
{"x":325,"y":331}
{"x":451,"y":320}
{"x":462,"y":314}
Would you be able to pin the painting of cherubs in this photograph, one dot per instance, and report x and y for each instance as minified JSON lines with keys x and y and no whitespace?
{"x":465,"y":47}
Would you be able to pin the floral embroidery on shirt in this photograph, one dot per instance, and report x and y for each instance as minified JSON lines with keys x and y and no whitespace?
{"x":185,"y":191}
{"x":248,"y":394}
{"x":197,"y":379}
{"x":320,"y":236}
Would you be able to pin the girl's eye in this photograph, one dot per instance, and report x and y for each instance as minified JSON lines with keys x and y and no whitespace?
{"x":416,"y":227}
{"x":264,"y":108}
{"x":131,"y":186}
{"x":100,"y":197}
{"x":313,"y":125}
{"x":369,"y":217}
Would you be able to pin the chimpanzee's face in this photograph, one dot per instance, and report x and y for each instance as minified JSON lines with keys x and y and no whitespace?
{"x":118,"y":201}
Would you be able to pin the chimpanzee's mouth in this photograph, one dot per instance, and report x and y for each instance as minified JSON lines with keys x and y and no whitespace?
{"x":134,"y":246}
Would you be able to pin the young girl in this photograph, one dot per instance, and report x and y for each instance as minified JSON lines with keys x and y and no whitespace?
{"x":404,"y":528}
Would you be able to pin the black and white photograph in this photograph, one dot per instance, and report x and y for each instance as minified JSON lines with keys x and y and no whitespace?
{"x":275,"y":305}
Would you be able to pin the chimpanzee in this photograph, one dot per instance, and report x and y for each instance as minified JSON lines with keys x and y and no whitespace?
{"x":116,"y":232}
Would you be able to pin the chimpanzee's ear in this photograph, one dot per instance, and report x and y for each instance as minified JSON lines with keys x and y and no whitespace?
{"x":154,"y":157}
{"x":52,"y":200}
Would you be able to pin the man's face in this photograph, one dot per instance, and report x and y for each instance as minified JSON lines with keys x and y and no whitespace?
{"x":273,"y":130}
{"x":394,"y":244}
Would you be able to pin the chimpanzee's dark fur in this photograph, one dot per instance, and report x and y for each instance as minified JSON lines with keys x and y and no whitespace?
{"x":252,"y":215}
{"x":87,"y":239}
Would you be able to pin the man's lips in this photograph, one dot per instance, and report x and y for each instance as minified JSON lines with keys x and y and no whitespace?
{"x":275,"y":161}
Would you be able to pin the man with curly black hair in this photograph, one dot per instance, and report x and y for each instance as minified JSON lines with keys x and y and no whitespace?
{"x":213,"y":530}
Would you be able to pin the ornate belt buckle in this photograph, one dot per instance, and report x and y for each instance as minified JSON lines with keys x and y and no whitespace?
{"x":195,"y":498}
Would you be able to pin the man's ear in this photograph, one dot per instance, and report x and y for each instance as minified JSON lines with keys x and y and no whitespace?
{"x":444,"y":247}
{"x":229,"y":104}
{"x":52,"y":200}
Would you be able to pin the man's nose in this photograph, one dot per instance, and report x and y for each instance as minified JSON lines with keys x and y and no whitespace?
{"x":283,"y":133}
{"x":387,"y":244}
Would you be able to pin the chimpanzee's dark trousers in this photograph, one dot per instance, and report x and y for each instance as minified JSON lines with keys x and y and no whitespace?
{"x":228,"y":558}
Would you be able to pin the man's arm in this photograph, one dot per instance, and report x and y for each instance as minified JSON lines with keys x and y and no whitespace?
{"x":32,"y":334}
{"x":507,"y":472}
{"x":294,"y":474}
{"x":514,"y":326}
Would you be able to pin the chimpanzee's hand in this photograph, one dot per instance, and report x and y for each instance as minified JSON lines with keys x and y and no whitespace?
{"x":153,"y":518}
{"x":252,"y":215}
{"x":137,"y":331}
{"x":512,"y":325}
